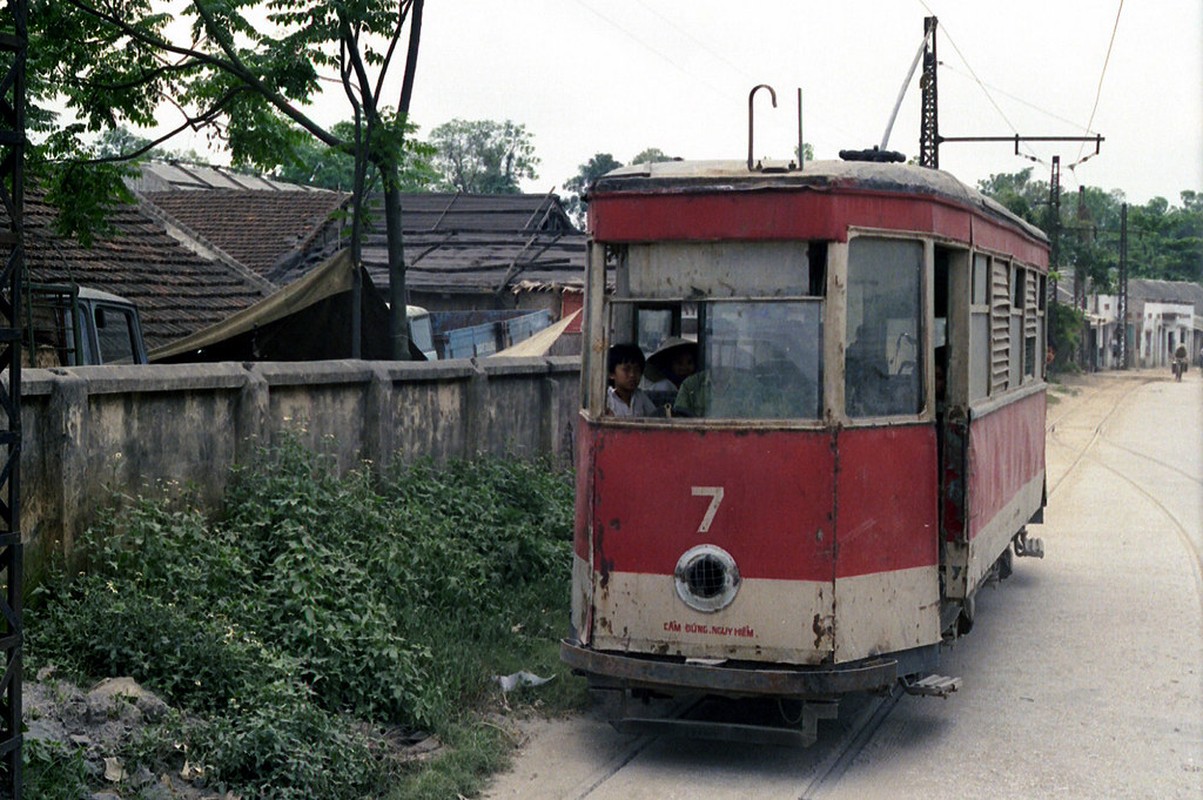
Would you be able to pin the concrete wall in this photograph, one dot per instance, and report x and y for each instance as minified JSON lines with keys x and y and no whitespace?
{"x":91,"y":431}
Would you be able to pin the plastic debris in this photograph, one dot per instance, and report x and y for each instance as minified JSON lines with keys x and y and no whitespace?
{"x":511,"y":682}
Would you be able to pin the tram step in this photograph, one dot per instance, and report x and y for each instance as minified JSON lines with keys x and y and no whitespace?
{"x":932,"y":686}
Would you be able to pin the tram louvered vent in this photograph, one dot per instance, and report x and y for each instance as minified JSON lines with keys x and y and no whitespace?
{"x":707,"y":578}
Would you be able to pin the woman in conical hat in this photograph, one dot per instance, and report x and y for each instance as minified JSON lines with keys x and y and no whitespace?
{"x":674,"y":361}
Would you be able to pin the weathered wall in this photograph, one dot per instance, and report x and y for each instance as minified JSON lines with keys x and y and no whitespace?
{"x":91,"y":431}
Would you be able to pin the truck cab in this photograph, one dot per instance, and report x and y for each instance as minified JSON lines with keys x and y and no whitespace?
{"x":68,"y":325}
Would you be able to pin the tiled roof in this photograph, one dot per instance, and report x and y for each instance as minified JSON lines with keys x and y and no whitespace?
{"x":473,"y":243}
{"x":257,"y":228}
{"x":1155,"y":291}
{"x":176,"y":291}
{"x":453,"y":243}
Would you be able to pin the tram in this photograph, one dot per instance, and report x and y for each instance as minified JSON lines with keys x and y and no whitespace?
{"x":862,"y":443}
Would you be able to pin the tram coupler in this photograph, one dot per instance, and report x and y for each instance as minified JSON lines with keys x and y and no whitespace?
{"x":930,"y":686}
{"x":1028,"y":548}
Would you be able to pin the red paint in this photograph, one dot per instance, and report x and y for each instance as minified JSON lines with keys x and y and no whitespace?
{"x":1006,"y":452}
{"x":887,"y":492}
{"x":777,"y":496}
{"x":989,"y":235}
{"x":571,"y":302}
{"x":780,"y":492}
{"x":803,"y":214}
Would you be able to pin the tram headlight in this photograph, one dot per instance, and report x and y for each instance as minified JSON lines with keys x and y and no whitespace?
{"x":707,"y":578}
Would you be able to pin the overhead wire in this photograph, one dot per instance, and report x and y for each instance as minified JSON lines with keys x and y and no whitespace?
{"x":1099,"y":91}
{"x":1020,"y":100}
{"x":981,"y":84}
{"x":642,"y":43}
{"x":672,"y":24}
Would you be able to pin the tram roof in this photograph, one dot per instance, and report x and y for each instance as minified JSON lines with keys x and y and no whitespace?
{"x":705,"y":176}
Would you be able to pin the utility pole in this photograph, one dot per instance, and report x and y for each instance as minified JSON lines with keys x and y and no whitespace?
{"x":1121,"y":310}
{"x":929,"y":122}
{"x":13,"y":42}
{"x":1054,"y":225}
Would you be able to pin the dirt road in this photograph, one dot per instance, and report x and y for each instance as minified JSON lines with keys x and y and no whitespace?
{"x":1083,"y":677}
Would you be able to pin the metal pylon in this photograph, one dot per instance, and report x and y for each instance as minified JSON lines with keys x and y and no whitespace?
{"x":13,"y":40}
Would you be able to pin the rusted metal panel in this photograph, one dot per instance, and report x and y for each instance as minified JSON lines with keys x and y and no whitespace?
{"x":655,"y":488}
{"x":887,"y":590}
{"x":1006,"y":452}
{"x":719,"y":679}
{"x":886,"y":494}
{"x":821,"y":203}
{"x":1003,"y":480}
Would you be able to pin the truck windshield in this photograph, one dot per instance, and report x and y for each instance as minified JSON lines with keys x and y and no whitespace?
{"x":114,"y":335}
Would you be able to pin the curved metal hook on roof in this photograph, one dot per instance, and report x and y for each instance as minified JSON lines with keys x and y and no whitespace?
{"x":751,"y":97}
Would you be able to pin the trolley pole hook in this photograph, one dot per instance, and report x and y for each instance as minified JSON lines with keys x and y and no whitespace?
{"x":751,"y":97}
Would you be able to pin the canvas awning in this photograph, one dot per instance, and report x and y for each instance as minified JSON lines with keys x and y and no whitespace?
{"x":307,"y":320}
{"x":539,"y":344}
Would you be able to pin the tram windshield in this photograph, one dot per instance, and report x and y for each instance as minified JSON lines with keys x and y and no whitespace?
{"x":753,"y":313}
{"x":758,"y":360}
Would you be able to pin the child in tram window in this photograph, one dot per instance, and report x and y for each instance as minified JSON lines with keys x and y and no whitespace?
{"x":624,"y":398}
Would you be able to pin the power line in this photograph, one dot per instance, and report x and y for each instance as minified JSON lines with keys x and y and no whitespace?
{"x":668,"y":21}
{"x":981,"y":84}
{"x":1021,"y":101}
{"x":630,"y":35}
{"x":1106,"y":60}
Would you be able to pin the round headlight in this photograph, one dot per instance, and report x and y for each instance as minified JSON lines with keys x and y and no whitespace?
{"x":707,"y":578}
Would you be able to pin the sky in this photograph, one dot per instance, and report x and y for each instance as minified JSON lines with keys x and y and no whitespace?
{"x":619,"y":76}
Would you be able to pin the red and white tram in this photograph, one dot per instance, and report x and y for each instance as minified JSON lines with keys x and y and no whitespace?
{"x":863,"y":442}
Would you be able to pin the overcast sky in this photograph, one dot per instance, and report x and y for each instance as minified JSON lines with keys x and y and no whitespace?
{"x":619,"y":76}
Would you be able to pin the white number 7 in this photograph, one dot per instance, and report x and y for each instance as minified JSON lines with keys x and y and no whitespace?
{"x":715,"y":493}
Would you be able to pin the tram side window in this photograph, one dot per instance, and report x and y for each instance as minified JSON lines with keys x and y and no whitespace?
{"x":881,"y":367}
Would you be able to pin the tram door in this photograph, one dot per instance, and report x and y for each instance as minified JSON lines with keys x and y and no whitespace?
{"x":887,"y":578}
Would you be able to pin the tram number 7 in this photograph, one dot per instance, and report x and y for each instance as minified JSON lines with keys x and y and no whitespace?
{"x":715,"y":493}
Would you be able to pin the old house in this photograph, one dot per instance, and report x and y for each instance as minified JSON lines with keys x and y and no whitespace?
{"x":470,"y":259}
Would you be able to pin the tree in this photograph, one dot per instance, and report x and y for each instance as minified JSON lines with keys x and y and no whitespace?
{"x":1018,"y":193}
{"x":314,"y":164}
{"x":483,"y":156}
{"x":594,"y":168}
{"x":651,"y":155}
{"x":113,"y":63}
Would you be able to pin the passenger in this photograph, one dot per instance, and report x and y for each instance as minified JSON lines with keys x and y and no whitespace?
{"x":624,"y":398}
{"x":674,"y":361}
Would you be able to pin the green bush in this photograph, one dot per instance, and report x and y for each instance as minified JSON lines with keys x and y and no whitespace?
{"x":315,"y":600}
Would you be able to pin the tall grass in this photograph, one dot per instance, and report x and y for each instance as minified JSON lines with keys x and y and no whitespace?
{"x":316,"y":611}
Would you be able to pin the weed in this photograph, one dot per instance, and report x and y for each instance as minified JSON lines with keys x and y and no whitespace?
{"x":316,"y":603}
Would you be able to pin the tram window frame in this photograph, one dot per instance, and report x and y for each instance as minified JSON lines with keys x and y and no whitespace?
{"x":1015,"y":335}
{"x":1000,"y":326}
{"x":876,"y":381}
{"x":771,"y":391}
